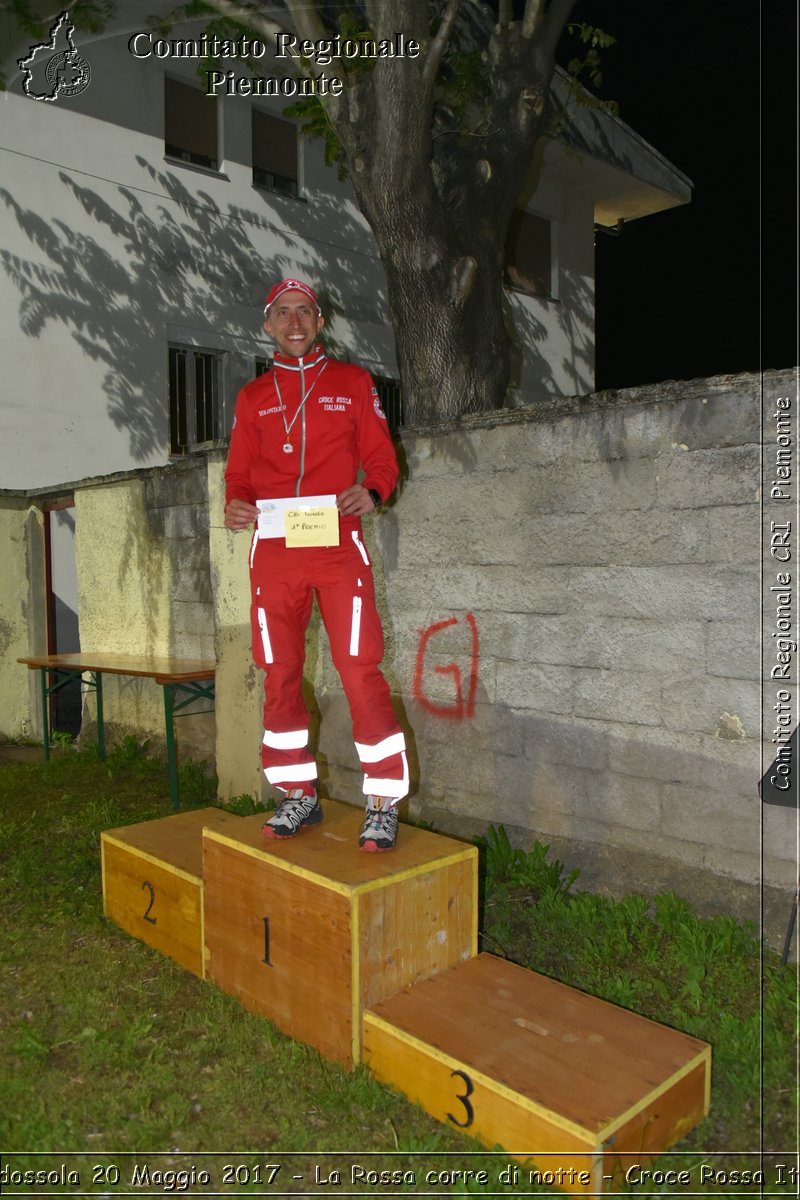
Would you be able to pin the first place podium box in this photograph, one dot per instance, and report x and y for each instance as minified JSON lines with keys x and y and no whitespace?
{"x":311,"y":931}
{"x":153,"y":885}
{"x":575,"y":1087}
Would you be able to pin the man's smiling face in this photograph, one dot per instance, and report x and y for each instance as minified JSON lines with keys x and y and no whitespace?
{"x":294,"y":322}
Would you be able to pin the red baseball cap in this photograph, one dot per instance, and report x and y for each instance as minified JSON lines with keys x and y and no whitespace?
{"x":289,"y":285}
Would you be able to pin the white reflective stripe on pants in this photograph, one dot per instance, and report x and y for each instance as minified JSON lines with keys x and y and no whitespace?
{"x":394,"y":744}
{"x":392,"y":789}
{"x":295,"y":773}
{"x":355,"y":627}
{"x":265,"y":642}
{"x":360,"y":547}
{"x":293,"y":739}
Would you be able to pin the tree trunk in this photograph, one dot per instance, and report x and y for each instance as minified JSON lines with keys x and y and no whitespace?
{"x":452,"y":344}
{"x":438,"y":185}
{"x":442,"y":245}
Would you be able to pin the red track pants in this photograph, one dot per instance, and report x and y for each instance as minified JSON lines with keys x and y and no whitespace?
{"x":283,"y":582}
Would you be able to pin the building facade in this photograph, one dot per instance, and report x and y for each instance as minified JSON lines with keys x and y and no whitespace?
{"x":142,"y":219}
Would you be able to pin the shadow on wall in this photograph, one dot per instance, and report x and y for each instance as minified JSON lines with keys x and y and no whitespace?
{"x":166,"y":255}
{"x":527,"y":331}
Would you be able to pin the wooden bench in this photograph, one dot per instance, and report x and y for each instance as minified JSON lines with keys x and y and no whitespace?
{"x":192,"y":679}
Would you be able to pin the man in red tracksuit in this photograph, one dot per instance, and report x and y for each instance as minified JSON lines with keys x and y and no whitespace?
{"x":303,"y":429}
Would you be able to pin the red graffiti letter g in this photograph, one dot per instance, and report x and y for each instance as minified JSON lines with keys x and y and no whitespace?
{"x":461,"y":708}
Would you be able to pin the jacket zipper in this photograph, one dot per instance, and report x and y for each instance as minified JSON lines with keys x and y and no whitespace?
{"x":302,"y":430}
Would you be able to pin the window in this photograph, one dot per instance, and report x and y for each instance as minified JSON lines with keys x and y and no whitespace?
{"x":274,"y":153}
{"x":391,"y":397}
{"x":262,"y":366}
{"x":528,"y":254}
{"x":195,"y":404}
{"x":190,"y":125}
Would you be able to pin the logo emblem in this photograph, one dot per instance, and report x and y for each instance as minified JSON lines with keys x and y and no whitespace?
{"x":55,"y":68}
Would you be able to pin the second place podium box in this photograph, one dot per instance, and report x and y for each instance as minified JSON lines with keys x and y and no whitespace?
{"x":153,"y":881}
{"x":310,"y":932}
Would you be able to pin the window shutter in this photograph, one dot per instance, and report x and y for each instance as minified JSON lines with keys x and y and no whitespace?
{"x":190,"y":124}
{"x":528,"y":254}
{"x":274,"y":147}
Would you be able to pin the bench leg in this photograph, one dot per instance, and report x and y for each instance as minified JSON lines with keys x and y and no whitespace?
{"x":45,"y":721}
{"x":172,"y":765}
{"x":101,"y":736}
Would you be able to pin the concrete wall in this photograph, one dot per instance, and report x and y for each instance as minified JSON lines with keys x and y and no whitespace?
{"x":239,"y":683}
{"x":141,"y":552}
{"x":22,"y":618}
{"x":613,"y":579}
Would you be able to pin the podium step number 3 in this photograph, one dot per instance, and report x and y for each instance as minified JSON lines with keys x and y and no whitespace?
{"x":519,"y":1060}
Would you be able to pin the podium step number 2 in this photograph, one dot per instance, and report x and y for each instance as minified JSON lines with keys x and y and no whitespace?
{"x":153,"y":882}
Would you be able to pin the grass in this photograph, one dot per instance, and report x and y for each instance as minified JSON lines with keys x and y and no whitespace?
{"x":106,"y":1047}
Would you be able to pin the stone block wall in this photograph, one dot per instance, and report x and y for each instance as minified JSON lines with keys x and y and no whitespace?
{"x":571,"y":595}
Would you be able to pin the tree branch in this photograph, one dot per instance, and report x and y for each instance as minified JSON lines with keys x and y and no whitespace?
{"x":505,"y":14}
{"x":384,"y":16}
{"x":554,"y":22}
{"x":531,"y":18}
{"x":247,"y":16}
{"x":306,"y":18}
{"x":439,"y":45}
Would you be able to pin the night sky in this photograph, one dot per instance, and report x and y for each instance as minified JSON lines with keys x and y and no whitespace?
{"x":711,"y":287}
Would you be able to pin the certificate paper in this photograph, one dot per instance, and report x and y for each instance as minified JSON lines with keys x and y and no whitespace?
{"x":317,"y":526}
{"x":273,"y":522}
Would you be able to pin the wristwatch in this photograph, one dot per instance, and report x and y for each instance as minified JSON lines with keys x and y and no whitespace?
{"x":375,"y":496}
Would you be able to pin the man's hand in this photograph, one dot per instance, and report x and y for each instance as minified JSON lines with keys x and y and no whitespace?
{"x":239,"y":514}
{"x":354,"y":501}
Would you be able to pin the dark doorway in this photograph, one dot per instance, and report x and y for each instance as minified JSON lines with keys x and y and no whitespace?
{"x":62,"y":609}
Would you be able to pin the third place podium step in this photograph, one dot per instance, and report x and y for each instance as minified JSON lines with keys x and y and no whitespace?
{"x":577,"y":1087}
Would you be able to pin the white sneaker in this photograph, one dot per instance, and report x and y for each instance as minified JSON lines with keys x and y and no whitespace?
{"x":293,"y":815}
{"x":379,"y":830}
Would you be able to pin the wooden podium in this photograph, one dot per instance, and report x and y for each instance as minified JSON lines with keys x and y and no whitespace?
{"x":559,"y":1078}
{"x":373,"y":957}
{"x":310,"y":931}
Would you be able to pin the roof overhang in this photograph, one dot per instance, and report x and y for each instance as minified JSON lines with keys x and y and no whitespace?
{"x":596,"y":151}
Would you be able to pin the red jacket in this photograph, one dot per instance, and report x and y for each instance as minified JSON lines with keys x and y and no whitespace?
{"x":340,"y":427}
